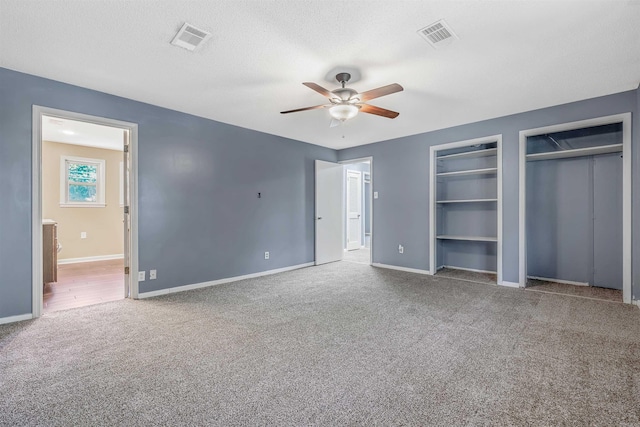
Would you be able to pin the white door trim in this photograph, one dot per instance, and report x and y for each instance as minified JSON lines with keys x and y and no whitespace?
{"x":625,"y":119}
{"x":371,"y":187}
{"x":36,"y":196}
{"x":432,"y":196}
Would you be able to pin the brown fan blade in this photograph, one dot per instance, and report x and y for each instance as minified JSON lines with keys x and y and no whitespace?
{"x":303,"y":109}
{"x":322,"y":91}
{"x":372,"y":109}
{"x":381,"y":91}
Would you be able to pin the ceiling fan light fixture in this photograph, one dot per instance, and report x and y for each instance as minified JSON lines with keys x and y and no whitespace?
{"x":343,"y":112}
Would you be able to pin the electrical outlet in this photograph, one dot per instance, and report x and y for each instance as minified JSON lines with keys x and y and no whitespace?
{"x":152,"y":275}
{"x":401,"y":249}
{"x":141,"y":276}
{"x":83,"y":234}
{"x":266,"y":255}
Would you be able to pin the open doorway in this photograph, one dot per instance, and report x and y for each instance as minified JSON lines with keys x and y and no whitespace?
{"x":84,"y":246}
{"x":357,"y":211}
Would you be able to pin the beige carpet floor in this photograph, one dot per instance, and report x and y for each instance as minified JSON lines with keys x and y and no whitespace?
{"x":338,"y":344}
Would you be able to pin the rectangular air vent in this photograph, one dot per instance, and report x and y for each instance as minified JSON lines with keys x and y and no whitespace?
{"x":438,"y":34}
{"x":190,"y":37}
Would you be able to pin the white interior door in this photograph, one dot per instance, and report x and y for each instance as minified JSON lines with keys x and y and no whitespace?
{"x":354,"y":210}
{"x":329,"y":215}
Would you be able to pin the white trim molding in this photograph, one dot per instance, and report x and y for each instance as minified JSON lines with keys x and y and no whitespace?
{"x":509,"y":284}
{"x":90,"y":259}
{"x":183,"y":288}
{"x":397,"y":267}
{"x":13,"y":319}
{"x":625,"y":119}
{"x":566,"y":282}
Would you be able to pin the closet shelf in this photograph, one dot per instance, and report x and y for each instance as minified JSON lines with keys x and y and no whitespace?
{"x":486,"y":171}
{"x":468,"y":201}
{"x":468,"y":238}
{"x":470,"y":154}
{"x":577,"y":152}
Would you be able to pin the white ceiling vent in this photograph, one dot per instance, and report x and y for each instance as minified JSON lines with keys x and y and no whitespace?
{"x":438,"y":34}
{"x":190,"y":37}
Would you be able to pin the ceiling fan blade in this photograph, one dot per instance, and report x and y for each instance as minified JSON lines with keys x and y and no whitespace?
{"x":372,"y":109}
{"x":322,"y":91}
{"x":381,"y":91}
{"x":334,"y":123}
{"x":303,"y":109}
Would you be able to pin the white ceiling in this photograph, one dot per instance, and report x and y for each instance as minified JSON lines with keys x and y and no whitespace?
{"x":512,"y":56}
{"x":81,"y":133}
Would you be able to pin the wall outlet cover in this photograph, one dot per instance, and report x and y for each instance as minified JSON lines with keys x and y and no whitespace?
{"x":266,"y":255}
{"x":141,"y":276}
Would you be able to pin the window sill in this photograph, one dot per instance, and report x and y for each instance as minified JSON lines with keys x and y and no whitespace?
{"x":83,"y":205}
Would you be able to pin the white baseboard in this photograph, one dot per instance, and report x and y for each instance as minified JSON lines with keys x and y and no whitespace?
{"x":90,"y":259}
{"x":220,"y":281}
{"x":395,"y":267}
{"x":18,"y":318}
{"x":567,"y":282}
{"x":636,"y":302}
{"x":473,"y":270}
{"x":509,"y":284}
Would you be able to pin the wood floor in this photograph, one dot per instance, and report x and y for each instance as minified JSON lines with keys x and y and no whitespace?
{"x":84,"y":284}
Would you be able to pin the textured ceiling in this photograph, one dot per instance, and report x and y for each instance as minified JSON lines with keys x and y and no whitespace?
{"x":512,"y":56}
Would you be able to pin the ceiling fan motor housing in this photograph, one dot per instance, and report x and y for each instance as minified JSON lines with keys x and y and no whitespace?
{"x":344,"y":93}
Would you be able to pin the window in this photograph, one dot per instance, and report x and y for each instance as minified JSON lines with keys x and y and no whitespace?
{"x":81,"y":182}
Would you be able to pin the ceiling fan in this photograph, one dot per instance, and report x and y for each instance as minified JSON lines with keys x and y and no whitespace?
{"x":345,"y":103}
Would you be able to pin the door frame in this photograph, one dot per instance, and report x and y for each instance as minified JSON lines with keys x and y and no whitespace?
{"x":347,"y":205}
{"x":371,"y":179}
{"x":625,"y":119}
{"x":36,"y":198}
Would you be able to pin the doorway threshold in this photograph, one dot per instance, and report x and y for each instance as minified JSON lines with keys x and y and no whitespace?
{"x":589,"y":292}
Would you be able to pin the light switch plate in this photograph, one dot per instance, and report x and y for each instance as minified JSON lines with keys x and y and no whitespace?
{"x":153,"y":274}
{"x":375,"y":194}
{"x":83,"y":234}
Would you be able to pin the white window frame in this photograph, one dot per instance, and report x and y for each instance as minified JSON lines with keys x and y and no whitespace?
{"x":64,"y":182}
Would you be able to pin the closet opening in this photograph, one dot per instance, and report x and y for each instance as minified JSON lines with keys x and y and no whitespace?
{"x":575,"y":182}
{"x":466,"y":210}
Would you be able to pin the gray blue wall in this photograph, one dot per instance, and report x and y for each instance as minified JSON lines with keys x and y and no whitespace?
{"x":401,"y":213}
{"x":199,"y":215}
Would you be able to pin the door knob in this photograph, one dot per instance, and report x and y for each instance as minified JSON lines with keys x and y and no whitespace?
{"x":319,"y":217}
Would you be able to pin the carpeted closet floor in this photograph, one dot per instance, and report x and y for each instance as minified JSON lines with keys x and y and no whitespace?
{"x":339,"y":344}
